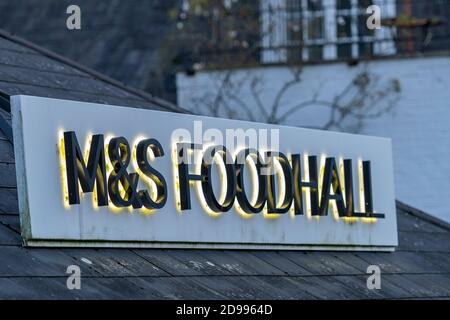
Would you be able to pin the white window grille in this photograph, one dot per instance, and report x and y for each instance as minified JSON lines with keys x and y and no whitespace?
{"x":323,"y":30}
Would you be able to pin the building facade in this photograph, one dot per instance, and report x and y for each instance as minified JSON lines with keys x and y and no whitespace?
{"x":410,"y":47}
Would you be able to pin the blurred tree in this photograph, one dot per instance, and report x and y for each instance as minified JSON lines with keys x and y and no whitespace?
{"x":213,"y":33}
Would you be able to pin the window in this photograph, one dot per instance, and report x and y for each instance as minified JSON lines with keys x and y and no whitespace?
{"x":313,"y":29}
{"x":353,"y":37}
{"x":330,"y":29}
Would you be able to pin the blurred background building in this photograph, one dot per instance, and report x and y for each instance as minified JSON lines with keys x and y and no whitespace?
{"x":310,"y":63}
{"x":316,"y":64}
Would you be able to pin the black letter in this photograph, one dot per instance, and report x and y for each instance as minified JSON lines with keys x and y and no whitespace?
{"x":149,"y":171}
{"x":241,"y":195}
{"x":183,"y":173}
{"x":368,"y":200}
{"x":77,"y":170}
{"x":230,"y":176}
{"x":299,"y":184}
{"x":331,"y":179}
{"x":349,"y":194}
{"x":120,"y":155}
{"x":271,"y":194}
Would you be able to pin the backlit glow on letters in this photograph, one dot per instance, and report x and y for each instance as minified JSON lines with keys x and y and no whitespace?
{"x":295,"y":184}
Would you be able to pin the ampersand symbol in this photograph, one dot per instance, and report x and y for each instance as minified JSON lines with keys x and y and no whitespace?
{"x":120,"y":155}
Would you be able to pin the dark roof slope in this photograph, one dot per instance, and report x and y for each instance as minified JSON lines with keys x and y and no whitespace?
{"x":420,"y":268}
{"x":29,"y":69}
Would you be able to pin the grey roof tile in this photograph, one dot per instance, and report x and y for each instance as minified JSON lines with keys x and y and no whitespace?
{"x":177,"y":288}
{"x":201,"y":262}
{"x":9,"y":237}
{"x":11,"y":221}
{"x":34,"y":61}
{"x":423,"y":241}
{"x":248,"y":287}
{"x":358,"y":285}
{"x":115,"y":262}
{"x":7,"y":175}
{"x":440,"y":260}
{"x":319,"y":263}
{"x":289,"y":288}
{"x":411,"y":284}
{"x":280,"y":262}
{"x":241,"y":262}
{"x":20,"y":262}
{"x":381,"y":259}
{"x":438,"y":281}
{"x":33,"y":288}
{"x":407,"y":222}
{"x":2,"y":136}
{"x":12,"y":46}
{"x":167,"y":261}
{"x":404,"y":262}
{"x":322,"y":288}
{"x":6,"y":152}
{"x":8,"y":200}
{"x":352,"y":259}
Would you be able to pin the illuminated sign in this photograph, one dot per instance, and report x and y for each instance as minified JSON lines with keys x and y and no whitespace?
{"x":99,"y":175}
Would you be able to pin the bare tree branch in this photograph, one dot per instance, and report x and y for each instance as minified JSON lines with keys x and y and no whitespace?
{"x":285,"y":87}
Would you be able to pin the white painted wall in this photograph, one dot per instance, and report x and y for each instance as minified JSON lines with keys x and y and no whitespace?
{"x":419,"y":127}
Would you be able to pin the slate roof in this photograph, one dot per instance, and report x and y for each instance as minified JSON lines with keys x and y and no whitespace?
{"x":420,"y":268}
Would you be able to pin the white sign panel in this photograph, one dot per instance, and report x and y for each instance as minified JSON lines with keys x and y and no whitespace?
{"x":99,"y":175}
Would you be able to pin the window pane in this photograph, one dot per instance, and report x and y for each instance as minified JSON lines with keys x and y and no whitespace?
{"x":293,"y":6}
{"x":344,"y":51}
{"x":362,"y":26}
{"x":365,"y":49}
{"x":343,"y":4}
{"x":344,"y":24}
{"x":363,"y":4}
{"x":315,"y":53}
{"x":294,"y":31}
{"x":294,"y":18}
{"x":315,"y":28}
{"x":314,"y":5}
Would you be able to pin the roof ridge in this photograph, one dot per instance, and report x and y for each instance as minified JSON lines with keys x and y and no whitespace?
{"x":98,"y":75}
{"x":423,"y":215}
